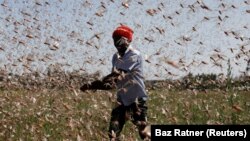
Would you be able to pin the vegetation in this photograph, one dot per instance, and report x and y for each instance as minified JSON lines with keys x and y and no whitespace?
{"x":53,"y":108}
{"x":69,"y":115}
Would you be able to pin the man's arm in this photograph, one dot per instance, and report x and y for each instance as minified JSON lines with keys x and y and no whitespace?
{"x":96,"y":85}
{"x":108,"y":82}
{"x":112,"y":78}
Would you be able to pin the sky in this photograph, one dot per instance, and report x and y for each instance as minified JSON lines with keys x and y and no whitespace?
{"x":175,"y":37}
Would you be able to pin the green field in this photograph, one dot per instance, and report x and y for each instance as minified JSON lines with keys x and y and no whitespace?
{"x":67,"y":115}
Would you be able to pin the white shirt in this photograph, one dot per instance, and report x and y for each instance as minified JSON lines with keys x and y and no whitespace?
{"x":130,"y":85}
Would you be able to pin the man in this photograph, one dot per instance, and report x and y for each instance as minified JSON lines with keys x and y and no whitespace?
{"x":127,"y":75}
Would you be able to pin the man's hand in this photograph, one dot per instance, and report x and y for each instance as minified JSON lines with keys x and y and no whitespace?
{"x":85,"y":87}
{"x":96,"y":85}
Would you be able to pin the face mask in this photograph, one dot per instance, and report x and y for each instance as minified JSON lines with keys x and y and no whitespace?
{"x":122,"y":41}
{"x":121,"y":44}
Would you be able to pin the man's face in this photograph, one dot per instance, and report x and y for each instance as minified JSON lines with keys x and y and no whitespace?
{"x":121,"y":44}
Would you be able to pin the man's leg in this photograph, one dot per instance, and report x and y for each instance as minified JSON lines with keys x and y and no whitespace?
{"x":117,"y":122}
{"x":140,"y":116}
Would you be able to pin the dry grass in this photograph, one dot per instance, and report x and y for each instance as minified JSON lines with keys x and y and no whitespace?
{"x":66,"y":115}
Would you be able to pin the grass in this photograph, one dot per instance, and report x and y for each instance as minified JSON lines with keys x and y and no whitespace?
{"x":64,"y":115}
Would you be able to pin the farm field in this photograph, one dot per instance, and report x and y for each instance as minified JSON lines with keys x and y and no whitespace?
{"x":194,"y":56}
{"x":57,"y":114}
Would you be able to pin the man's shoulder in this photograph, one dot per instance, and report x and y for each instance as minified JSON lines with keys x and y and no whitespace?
{"x":137,"y":52}
{"x":115,"y":54}
{"x":134,"y":51}
{"x":135,"y":55}
{"x":115,"y":57}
